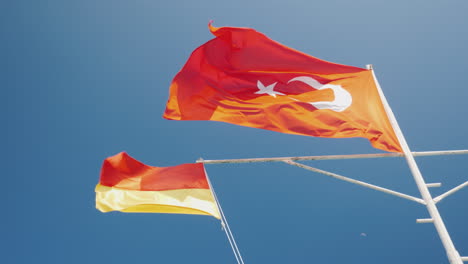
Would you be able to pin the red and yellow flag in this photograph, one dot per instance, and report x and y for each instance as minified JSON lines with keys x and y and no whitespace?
{"x":128,"y":185}
{"x":242,"y":77}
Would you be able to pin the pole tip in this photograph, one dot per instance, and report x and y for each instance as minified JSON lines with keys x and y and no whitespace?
{"x":369,"y":67}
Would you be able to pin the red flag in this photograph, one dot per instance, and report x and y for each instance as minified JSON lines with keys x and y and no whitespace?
{"x":128,"y":185}
{"x":242,"y":77}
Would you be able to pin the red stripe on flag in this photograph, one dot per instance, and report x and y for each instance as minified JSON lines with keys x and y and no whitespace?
{"x":125,"y":172}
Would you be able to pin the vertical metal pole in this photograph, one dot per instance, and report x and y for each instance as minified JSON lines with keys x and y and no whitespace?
{"x":452,"y":253}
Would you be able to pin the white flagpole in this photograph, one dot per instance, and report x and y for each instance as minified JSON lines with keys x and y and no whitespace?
{"x":452,"y":253}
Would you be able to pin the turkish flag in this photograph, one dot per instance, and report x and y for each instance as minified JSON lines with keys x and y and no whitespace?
{"x":242,"y":77}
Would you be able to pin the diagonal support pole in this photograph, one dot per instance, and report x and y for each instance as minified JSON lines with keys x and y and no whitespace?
{"x":442,"y":196}
{"x":367,"y":185}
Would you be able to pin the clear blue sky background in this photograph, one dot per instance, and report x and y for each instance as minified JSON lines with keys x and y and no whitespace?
{"x":84,"y":80}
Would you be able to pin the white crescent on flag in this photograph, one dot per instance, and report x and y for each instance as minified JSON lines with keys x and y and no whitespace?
{"x":343,"y":98}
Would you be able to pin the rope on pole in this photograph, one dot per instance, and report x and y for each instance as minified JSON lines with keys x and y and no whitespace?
{"x":225,"y":224}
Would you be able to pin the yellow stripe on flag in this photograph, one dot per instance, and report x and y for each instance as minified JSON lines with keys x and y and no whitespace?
{"x":180,"y":201}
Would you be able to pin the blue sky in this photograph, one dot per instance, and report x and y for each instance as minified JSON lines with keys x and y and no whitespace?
{"x":84,"y":80}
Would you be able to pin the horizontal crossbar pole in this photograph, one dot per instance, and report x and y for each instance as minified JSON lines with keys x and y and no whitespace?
{"x":335,"y":157}
{"x":365,"y":184}
{"x":424,"y":220}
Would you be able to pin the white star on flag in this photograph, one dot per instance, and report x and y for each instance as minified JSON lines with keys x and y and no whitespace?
{"x":267,"y":90}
